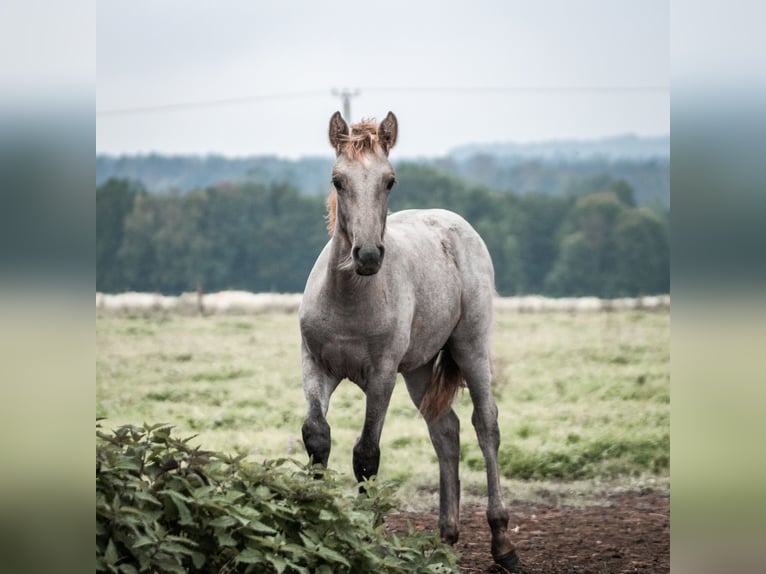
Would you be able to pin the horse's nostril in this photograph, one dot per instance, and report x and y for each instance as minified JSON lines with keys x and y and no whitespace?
{"x":367,"y":254}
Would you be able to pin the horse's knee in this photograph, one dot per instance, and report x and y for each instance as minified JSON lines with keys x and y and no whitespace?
{"x":445,"y":436}
{"x":484,"y":415}
{"x":316,"y":439}
{"x":366,"y":460}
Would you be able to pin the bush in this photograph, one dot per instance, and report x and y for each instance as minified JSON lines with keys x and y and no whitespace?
{"x":165,"y":506}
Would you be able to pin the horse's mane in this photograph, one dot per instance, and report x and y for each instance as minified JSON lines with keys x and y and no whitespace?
{"x":332,"y":211}
{"x":361,"y":139}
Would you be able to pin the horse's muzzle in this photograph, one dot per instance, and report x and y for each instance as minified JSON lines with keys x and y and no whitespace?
{"x":368,"y":259}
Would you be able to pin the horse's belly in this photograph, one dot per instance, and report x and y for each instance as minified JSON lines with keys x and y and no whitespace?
{"x":428,"y":335}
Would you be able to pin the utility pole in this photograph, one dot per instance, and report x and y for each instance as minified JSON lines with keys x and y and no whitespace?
{"x":346,"y":95}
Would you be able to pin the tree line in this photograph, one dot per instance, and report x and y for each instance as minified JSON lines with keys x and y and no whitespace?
{"x":266,"y":236}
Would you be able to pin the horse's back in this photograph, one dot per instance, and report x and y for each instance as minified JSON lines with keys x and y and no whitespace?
{"x":455,"y":236}
{"x":436,"y":235}
{"x":441,"y":221}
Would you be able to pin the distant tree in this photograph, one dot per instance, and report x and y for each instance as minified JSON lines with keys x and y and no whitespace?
{"x":232,"y":236}
{"x":625,"y":192}
{"x":114,"y":202}
{"x":601,"y":183}
{"x":265,"y":236}
{"x":137,"y":255}
{"x":590,"y":184}
{"x":290,"y":237}
{"x":642,"y":255}
{"x":610,"y":249}
{"x":422,"y":187}
{"x":542,"y":217}
{"x":482,"y":167}
{"x":576,"y":272}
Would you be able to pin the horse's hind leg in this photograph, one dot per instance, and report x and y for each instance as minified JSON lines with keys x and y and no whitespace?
{"x":472,"y":356}
{"x":318,"y":386}
{"x":445,"y":436}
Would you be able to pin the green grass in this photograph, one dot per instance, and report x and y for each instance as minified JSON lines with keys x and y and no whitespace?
{"x":583,"y":399}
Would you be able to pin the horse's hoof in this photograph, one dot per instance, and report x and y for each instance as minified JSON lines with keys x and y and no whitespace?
{"x":511,"y":563}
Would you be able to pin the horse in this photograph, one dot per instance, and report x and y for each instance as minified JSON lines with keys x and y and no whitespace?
{"x":426,"y":313}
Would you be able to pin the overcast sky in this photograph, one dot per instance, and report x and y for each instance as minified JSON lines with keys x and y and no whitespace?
{"x":453,"y":72}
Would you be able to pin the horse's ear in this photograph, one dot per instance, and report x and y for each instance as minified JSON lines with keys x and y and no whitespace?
{"x":338,"y":131}
{"x":387,"y":131}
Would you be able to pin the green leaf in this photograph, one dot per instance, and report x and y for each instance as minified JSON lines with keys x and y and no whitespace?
{"x":223,"y":521}
{"x":309,"y":538}
{"x":179,"y":501}
{"x":110,"y":555}
{"x":326,"y":515}
{"x":203,"y":491}
{"x":146,"y":497}
{"x":332,"y":555}
{"x":234,"y":495}
{"x":300,"y":569}
{"x":224,"y":538}
{"x":250,"y":556}
{"x":198,"y":559}
{"x":175,"y":548}
{"x":126,"y":464}
{"x":142,"y":540}
{"x":258,"y":526}
{"x":182,"y":540}
{"x":175,"y":495}
{"x":278,"y":562}
{"x":170,"y":566}
{"x":262,"y":492}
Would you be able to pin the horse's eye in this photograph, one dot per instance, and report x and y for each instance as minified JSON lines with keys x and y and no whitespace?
{"x":390,"y":183}
{"x":337,"y":182}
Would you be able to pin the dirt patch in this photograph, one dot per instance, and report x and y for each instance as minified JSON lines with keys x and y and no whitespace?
{"x":631,"y":533}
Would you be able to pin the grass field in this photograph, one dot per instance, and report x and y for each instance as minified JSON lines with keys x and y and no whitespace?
{"x":584,"y":399}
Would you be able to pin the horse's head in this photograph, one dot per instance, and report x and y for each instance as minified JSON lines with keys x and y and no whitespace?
{"x":362,"y":177}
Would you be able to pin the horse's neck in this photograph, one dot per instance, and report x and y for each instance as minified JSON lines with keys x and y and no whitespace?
{"x":342,"y":282}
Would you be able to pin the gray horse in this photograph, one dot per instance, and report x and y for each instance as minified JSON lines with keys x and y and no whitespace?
{"x":425,"y":313}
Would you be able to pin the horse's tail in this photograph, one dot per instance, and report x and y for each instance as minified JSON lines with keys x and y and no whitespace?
{"x":446,"y":379}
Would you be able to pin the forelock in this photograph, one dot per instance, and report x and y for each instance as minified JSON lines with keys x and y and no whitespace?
{"x":361,"y":140}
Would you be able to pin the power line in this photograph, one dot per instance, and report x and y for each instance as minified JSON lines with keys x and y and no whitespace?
{"x":346,"y":95}
{"x":522,"y":89}
{"x":208,"y":103}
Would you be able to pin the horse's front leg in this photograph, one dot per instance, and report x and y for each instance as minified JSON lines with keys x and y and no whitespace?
{"x":318,"y":386}
{"x":378,"y":389}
